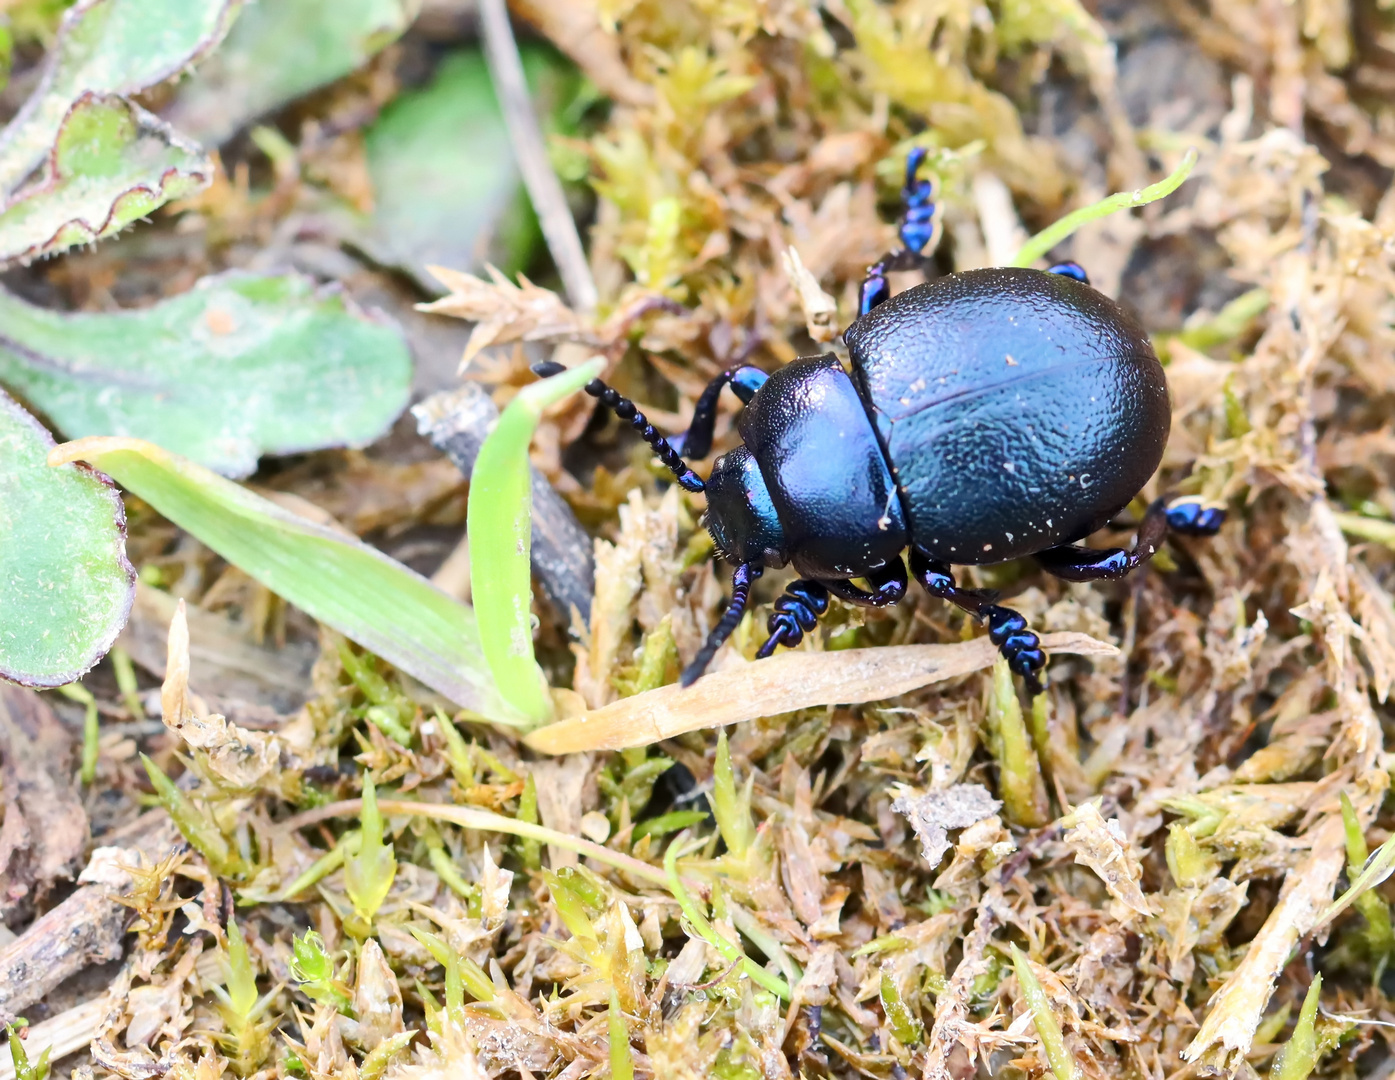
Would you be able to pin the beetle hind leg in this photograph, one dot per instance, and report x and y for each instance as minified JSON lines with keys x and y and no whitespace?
{"x":1188,"y":516}
{"x":917,"y":232}
{"x":1007,"y":629}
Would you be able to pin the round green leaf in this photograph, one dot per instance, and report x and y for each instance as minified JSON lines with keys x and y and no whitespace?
{"x":66,"y":586}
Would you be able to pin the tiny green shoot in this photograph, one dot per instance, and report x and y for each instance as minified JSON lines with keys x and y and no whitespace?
{"x":368,"y":874}
{"x":197,"y":826}
{"x":1379,"y":936}
{"x":1048,"y":238}
{"x":1298,"y":1057}
{"x":241,"y":1009}
{"x":903,"y":1023}
{"x":1053,"y":1043}
{"x":125,"y":673}
{"x":1020,"y":785}
{"x":529,"y":850}
{"x":24,"y":1069}
{"x":313,"y":971}
{"x":704,"y":930}
{"x":380,"y":1057}
{"x":622,"y":1063}
{"x":730,"y":807}
{"x":91,"y":728}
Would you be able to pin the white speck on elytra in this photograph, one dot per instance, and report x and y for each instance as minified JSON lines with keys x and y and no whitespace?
{"x":987,"y":547}
{"x":1009,"y":536}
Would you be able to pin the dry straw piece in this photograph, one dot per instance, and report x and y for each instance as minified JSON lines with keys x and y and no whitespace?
{"x":783,"y":683}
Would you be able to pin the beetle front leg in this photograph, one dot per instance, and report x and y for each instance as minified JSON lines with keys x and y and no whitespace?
{"x":696,"y":442}
{"x":1007,"y":629}
{"x":1189,"y":516}
{"x":741,"y":581}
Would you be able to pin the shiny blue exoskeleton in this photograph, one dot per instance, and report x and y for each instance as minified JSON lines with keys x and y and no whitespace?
{"x":989,"y":415}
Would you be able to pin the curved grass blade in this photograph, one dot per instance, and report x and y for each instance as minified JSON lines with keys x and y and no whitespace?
{"x":1049,"y":237}
{"x":356,"y":589}
{"x":66,"y":587}
{"x":499,"y":524}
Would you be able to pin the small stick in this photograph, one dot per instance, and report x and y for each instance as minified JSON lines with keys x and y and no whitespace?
{"x":544,"y":189}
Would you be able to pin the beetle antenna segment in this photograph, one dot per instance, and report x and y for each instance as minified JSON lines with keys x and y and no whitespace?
{"x":741,"y":581}
{"x":917,"y":230}
{"x":624,"y":408}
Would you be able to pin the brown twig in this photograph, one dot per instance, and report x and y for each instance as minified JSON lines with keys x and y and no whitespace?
{"x":544,"y":189}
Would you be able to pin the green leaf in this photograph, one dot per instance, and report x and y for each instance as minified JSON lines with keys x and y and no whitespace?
{"x":237,"y":367}
{"x":112,"y":164}
{"x":445,"y":187}
{"x":373,"y":600}
{"x":499,"y":524}
{"x":109,"y":47}
{"x":66,"y":586}
{"x":280,"y":50}
{"x":241,"y":977}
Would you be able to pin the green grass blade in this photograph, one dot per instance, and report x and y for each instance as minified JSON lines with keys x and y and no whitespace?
{"x":379,"y":603}
{"x":1049,"y":237}
{"x":499,"y":524}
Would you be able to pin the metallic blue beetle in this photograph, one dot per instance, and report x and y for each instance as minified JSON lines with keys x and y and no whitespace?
{"x":989,"y":415}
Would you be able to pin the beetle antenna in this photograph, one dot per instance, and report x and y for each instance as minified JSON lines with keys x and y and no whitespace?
{"x":624,"y":408}
{"x":741,"y":581}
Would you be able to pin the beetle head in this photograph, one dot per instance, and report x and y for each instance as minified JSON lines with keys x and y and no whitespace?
{"x":740,"y":514}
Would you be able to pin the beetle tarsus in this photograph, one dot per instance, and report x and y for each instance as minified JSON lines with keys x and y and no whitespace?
{"x":1187,"y":515}
{"x":1007,"y":629}
{"x":1070,"y":270}
{"x":888,"y":586}
{"x":796,"y":613}
{"x":741,"y":581}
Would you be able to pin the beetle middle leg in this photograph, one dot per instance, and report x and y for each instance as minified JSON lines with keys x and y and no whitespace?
{"x":1188,"y":516}
{"x":917,"y":230}
{"x":798,"y":610}
{"x":1007,"y":629}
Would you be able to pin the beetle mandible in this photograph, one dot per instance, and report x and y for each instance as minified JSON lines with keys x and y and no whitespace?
{"x":989,"y":415}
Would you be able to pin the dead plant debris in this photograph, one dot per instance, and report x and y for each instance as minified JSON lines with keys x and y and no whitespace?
{"x":837,"y":862}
